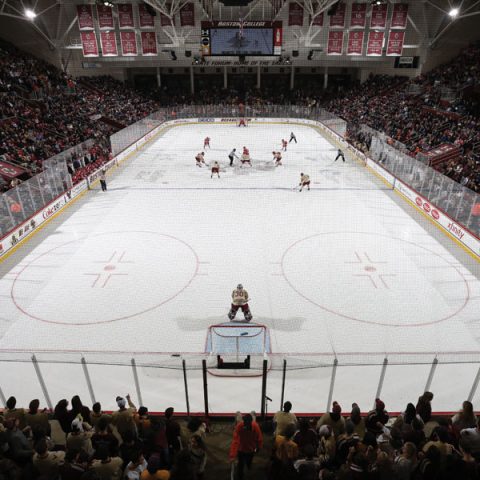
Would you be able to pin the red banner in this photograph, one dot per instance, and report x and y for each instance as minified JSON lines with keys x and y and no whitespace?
{"x":355,"y":43}
{"x":164,"y":20}
{"x":108,"y":41}
{"x":89,"y":44}
{"x":187,"y":15}
{"x":149,"y":43}
{"x":335,"y":43}
{"x":85,"y":17}
{"x":128,"y":41}
{"x":395,"y":44}
{"x":318,"y":20}
{"x":379,"y":16}
{"x":295,"y":15}
{"x":146,"y":19}
{"x":399,"y":15}
{"x":358,"y":18}
{"x":105,"y":17}
{"x":337,"y":20}
{"x":125,"y":15}
{"x":277,"y":39}
{"x":375,"y":44}
{"x":8,"y":171}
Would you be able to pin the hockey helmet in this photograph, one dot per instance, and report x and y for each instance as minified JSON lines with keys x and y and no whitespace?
{"x":240,"y":286}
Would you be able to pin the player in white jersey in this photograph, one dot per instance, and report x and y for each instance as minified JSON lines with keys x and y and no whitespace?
{"x":240,"y":300}
{"x":277,"y":156}
{"x":199,"y":158}
{"x":215,"y":169}
{"x":304,"y":181}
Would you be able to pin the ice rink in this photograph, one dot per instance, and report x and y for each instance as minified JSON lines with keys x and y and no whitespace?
{"x":347,"y":269}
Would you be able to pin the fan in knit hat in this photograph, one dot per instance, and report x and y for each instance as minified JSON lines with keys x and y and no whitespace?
{"x":336,"y":408}
{"x":121,"y":402}
{"x":379,"y":405}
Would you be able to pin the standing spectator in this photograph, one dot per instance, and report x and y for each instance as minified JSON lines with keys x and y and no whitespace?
{"x":405,"y":462}
{"x":103,"y":437}
{"x":334,"y":420}
{"x":247,"y":440}
{"x":143,"y":422}
{"x":78,"y":439}
{"x":285,"y":452}
{"x":198,"y":454}
{"x":79,"y":409}
{"x":35,"y":419}
{"x":283,"y":418}
{"x":424,"y":406}
{"x":173,"y":432}
{"x":465,"y":418}
{"x":12,"y":412}
{"x":358,"y":421}
{"x":377,"y":418}
{"x":103,"y":181}
{"x":309,"y":466}
{"x":470,"y":437}
{"x":19,"y":449}
{"x":123,"y":417}
{"x":155,"y":470}
{"x":61,"y":414}
{"x":306,"y":436}
{"x":76,"y":464}
{"x":97,"y":414}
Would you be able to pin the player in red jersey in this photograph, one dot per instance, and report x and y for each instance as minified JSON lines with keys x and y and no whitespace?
{"x":215,"y":169}
{"x":284,"y":145}
{"x":206,"y":142}
{"x":245,"y":158}
{"x":199,"y":158}
{"x":277,"y":156}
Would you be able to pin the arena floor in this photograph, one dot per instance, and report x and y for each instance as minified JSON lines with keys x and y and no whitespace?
{"x":347,"y":269}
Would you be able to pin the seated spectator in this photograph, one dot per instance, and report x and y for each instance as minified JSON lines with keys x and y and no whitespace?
{"x":75,"y":465}
{"x":308,"y":467}
{"x":18,"y":446}
{"x":184,"y":469}
{"x":346,"y":441}
{"x":129,"y":447}
{"x":107,"y":467}
{"x":103,"y":437}
{"x":439,"y":439}
{"x":198,"y":453}
{"x":405,"y":462}
{"x":334,"y":420}
{"x":47,"y":463}
{"x":465,"y":418}
{"x":470,"y":438}
{"x":135,"y":467}
{"x":284,"y":418}
{"x":377,"y":418}
{"x":305,"y":436}
{"x":155,"y":470}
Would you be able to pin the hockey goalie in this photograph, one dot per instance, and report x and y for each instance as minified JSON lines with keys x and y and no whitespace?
{"x":240,"y":300}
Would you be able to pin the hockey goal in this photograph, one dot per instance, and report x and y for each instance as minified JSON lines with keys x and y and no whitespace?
{"x":237,"y":349}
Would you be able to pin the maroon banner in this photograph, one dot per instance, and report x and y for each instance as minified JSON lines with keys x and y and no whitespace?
{"x":395,"y":44}
{"x":355,"y":43}
{"x":105,"y":17}
{"x":125,"y":15}
{"x":146,"y":19}
{"x":335,"y":43}
{"x":187,"y":15}
{"x":379,"y":16}
{"x":318,"y":20}
{"x":9,"y":171}
{"x":338,"y":19}
{"x":164,"y":20}
{"x":295,"y":15}
{"x":399,"y":15}
{"x":128,"y":41}
{"x":89,"y":44}
{"x":375,"y":44}
{"x":149,"y":43}
{"x":358,"y":17}
{"x":85,"y":17}
{"x":108,"y":41}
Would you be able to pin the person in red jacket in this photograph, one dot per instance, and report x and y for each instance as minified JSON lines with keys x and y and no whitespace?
{"x":247,"y":440}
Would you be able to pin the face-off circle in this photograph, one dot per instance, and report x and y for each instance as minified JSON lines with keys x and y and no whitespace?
{"x":375,"y":279}
{"x":104,"y":278}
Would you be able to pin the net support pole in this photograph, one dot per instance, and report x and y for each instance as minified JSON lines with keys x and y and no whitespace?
{"x":88,"y":379}
{"x":187,"y":399}
{"x":332,"y":384}
{"x":137,"y":383}
{"x":431,"y":374}
{"x":381,"y":380}
{"x":474,"y":386}
{"x":2,"y":398}
{"x":284,"y":374}
{"x":41,"y":381}
{"x":205,"y":386}
{"x":264,"y":388}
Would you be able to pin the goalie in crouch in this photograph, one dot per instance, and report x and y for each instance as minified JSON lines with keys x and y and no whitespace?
{"x":240,"y":300}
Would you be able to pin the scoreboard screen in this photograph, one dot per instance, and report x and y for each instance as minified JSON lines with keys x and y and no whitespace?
{"x":251,"y":38}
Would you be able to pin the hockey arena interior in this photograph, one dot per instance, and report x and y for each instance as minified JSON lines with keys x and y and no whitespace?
{"x":240,"y":239}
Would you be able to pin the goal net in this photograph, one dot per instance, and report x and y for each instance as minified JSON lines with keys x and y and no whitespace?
{"x":237,"y":349}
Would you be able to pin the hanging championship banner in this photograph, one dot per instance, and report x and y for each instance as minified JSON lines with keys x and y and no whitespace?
{"x":399,"y":15}
{"x":295,"y":15}
{"x":335,"y":43}
{"x":149,"y":43}
{"x":89,"y":44}
{"x":355,"y":43}
{"x":125,"y":15}
{"x":146,"y":19}
{"x":375,"y":44}
{"x":337,"y":20}
{"x":85,"y":17}
{"x":164,"y":20}
{"x":318,"y":20}
{"x":395,"y":44}
{"x":105,"y":17}
{"x":108,"y":41}
{"x":358,"y":18}
{"x":128,"y":41}
{"x":379,"y":16}
{"x":187,"y":15}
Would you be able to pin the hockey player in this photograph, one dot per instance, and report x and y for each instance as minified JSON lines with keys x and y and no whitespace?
{"x":292,"y":137}
{"x":206,"y":142}
{"x":340,"y":155}
{"x":242,"y":123}
{"x":215,"y":169}
{"x":232,"y":155}
{"x":304,"y":181}
{"x":240,"y":300}
{"x":284,"y":145}
{"x":277,"y":156}
{"x":199,"y":158}
{"x":245,"y":158}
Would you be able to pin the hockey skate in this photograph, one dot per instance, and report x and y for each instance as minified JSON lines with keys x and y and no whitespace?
{"x":248,"y":316}
{"x":231,"y":315}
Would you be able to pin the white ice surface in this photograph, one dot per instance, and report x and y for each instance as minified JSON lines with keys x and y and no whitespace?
{"x":145,"y":268}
